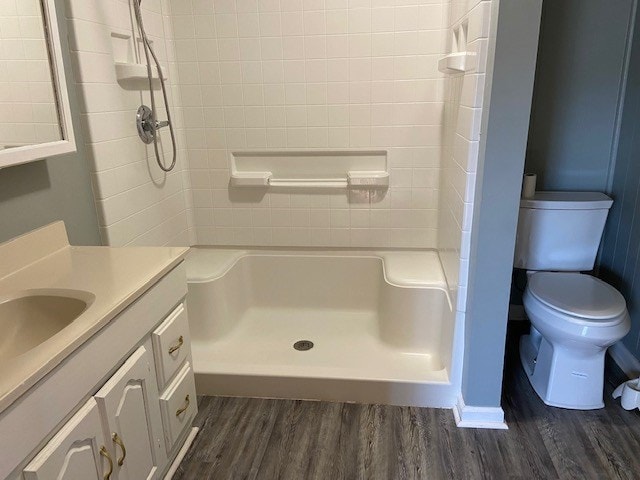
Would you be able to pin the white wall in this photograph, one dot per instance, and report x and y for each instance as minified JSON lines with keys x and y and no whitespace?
{"x":463,"y":110}
{"x":28,"y":111}
{"x":137,"y":203}
{"x":312,"y":74}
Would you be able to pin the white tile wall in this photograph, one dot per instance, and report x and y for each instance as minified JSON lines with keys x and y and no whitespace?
{"x":288,"y":74}
{"x":137,"y":203}
{"x":322,"y":74}
{"x":463,"y":110}
{"x":28,"y":112}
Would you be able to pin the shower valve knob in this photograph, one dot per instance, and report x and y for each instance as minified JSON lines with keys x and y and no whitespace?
{"x":144,"y":123}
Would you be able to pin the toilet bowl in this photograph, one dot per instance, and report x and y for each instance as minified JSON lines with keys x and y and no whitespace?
{"x":575,"y":317}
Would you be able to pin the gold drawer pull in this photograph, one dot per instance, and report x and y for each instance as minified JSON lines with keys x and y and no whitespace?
{"x":177,"y":345}
{"x":118,"y":441}
{"x":105,"y":454}
{"x":183,"y":408}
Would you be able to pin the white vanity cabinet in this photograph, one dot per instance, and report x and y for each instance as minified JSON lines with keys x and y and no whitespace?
{"x":129,"y":449}
{"x":105,"y":413}
{"x":75,"y":451}
{"x":129,"y":408}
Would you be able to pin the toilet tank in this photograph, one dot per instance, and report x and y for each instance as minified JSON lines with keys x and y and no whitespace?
{"x":560,"y":231}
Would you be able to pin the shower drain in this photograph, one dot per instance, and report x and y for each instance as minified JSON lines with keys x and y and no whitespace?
{"x":303,"y":345}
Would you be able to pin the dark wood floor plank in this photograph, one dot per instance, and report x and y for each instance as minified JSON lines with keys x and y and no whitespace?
{"x":618,"y":451}
{"x":377,"y":443}
{"x":324,"y":454}
{"x":346,"y":448}
{"x":411,"y":431}
{"x":264,"y":439}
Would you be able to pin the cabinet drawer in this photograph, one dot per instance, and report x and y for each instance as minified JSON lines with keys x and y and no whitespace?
{"x":171,"y":344}
{"x":179,"y":405}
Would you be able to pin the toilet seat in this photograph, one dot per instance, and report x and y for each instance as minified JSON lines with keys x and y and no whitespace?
{"x":581,"y":299}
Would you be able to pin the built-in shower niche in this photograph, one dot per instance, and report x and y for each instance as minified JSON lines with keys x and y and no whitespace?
{"x":126,"y":58}
{"x":310,"y":169}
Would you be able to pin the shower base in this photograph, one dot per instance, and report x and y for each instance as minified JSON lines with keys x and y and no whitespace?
{"x":380,"y":323}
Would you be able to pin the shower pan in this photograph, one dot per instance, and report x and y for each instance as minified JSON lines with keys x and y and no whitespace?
{"x":355,"y":326}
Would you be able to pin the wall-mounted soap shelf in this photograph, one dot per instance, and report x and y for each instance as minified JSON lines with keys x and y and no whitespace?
{"x":457,"y":62}
{"x":460,"y":60}
{"x":310,"y":169}
{"x":135,"y":71}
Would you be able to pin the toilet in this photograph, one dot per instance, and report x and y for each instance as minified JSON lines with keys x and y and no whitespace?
{"x":574,"y":316}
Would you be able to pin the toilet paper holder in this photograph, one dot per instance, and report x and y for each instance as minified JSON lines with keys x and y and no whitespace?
{"x":629,"y":394}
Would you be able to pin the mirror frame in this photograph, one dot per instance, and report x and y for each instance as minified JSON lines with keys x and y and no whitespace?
{"x":30,"y":153}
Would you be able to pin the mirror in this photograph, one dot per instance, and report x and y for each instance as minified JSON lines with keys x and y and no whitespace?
{"x":35,"y":120}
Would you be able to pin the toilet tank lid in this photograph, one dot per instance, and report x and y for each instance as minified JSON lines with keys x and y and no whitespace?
{"x":567,"y":201}
{"x":577,"y":294}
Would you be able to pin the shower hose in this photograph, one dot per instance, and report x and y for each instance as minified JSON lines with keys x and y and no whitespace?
{"x":148,"y":49}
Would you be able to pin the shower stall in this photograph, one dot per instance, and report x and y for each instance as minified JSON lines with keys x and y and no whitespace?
{"x":321,"y":160}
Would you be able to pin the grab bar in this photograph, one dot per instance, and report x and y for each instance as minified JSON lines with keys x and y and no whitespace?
{"x":309,"y":182}
{"x":355,"y":179}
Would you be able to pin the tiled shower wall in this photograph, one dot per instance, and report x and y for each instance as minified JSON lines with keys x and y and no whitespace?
{"x":312,"y":74}
{"x":286,"y":75}
{"x":463,"y":110}
{"x":137,"y":203}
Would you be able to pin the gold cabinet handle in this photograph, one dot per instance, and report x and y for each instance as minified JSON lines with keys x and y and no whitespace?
{"x":118,"y":441}
{"x":105,"y":454}
{"x":184,"y":407}
{"x":177,"y":345}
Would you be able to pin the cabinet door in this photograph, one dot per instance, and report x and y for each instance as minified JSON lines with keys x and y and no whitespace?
{"x":74,"y":452}
{"x":129,"y":407}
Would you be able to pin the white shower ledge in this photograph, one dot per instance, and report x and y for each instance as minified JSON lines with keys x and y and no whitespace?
{"x":43,"y":259}
{"x":404,"y":268}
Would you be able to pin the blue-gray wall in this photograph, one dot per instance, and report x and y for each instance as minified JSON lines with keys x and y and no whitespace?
{"x":495,"y":214}
{"x":577,"y":87}
{"x":59,"y":188}
{"x":620,"y":256}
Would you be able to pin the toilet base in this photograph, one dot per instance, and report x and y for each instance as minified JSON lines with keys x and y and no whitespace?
{"x":563,"y":377}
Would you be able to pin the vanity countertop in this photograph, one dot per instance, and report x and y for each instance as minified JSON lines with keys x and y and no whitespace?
{"x":43,"y":259}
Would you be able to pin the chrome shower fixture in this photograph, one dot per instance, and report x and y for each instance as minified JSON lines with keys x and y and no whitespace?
{"x":146,"y":119}
{"x":147,"y":125}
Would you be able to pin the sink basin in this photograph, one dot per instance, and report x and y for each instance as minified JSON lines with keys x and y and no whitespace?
{"x":31,"y":318}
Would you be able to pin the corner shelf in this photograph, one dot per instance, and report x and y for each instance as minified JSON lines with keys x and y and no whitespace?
{"x":459,"y":62}
{"x":310,"y":169}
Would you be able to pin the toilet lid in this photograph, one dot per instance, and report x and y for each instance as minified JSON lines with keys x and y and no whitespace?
{"x":578,"y":295}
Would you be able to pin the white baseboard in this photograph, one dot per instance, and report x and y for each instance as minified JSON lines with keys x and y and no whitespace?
{"x":627,"y":362}
{"x":183,"y":451}
{"x":468,"y":416}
